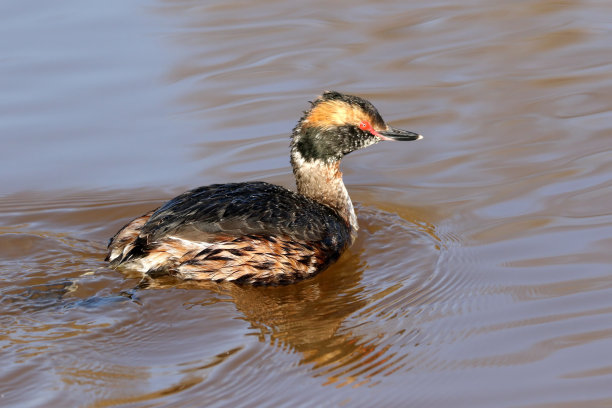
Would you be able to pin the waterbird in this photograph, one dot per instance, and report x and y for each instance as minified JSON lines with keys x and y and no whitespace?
{"x":257,"y":232}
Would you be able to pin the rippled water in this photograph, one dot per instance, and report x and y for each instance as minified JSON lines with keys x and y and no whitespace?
{"x":482,"y":273}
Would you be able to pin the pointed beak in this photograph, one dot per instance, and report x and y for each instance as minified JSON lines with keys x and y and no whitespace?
{"x":398,"y":134}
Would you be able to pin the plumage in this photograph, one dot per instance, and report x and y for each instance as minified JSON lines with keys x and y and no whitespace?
{"x":256,"y":232}
{"x":237,"y":209}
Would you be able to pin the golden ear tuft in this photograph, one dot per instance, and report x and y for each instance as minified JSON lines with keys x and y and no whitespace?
{"x":333,"y":113}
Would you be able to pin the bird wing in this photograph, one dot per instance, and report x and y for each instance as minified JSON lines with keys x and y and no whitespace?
{"x":237,"y":209}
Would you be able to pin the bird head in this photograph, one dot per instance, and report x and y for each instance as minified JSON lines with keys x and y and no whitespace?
{"x":337,"y":124}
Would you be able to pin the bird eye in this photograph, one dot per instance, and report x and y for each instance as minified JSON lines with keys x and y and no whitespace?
{"x":365,"y":125}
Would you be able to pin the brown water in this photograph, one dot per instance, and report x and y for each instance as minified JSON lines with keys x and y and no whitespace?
{"x":482,"y":273}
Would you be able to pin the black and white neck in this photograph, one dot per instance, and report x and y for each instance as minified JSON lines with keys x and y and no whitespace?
{"x":322,"y":182}
{"x":335,"y":125}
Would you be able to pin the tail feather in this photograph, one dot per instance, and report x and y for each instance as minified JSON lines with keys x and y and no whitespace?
{"x":121,"y":247}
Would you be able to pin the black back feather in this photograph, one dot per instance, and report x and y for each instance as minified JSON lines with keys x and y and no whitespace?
{"x":251,"y":208}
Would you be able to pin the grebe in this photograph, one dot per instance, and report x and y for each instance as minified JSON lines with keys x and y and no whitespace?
{"x":261,"y":233}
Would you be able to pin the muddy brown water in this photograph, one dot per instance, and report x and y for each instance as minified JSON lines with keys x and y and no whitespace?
{"x":482,"y":273}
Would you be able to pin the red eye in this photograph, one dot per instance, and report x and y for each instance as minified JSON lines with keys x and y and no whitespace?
{"x":365,"y":125}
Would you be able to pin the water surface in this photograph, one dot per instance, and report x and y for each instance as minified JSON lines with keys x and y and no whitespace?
{"x":482,"y":272}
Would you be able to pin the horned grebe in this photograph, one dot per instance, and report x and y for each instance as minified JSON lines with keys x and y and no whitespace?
{"x":256,"y":232}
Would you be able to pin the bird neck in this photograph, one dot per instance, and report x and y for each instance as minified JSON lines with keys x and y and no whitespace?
{"x":322,"y":182}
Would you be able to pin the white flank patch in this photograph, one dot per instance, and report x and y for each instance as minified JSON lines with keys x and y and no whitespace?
{"x":170,"y":248}
{"x":192,"y":245}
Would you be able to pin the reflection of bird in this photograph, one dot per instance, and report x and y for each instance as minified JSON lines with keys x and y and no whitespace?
{"x":258,"y":232}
